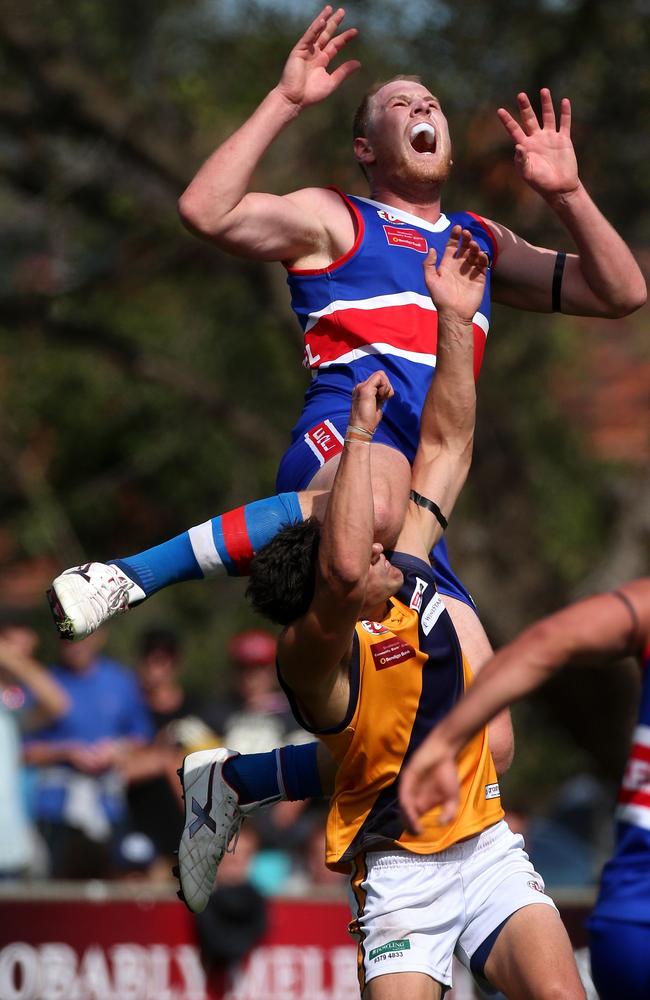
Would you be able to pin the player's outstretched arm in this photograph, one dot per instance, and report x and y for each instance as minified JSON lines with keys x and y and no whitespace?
{"x":313,"y":652}
{"x":444,"y":454}
{"x":593,"y":630}
{"x":603,"y":279}
{"x":216,"y":204}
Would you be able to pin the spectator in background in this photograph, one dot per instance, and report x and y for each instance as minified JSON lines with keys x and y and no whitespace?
{"x":80,"y":801}
{"x":21,"y":677}
{"x":154,"y":796}
{"x":236,"y":916}
{"x":310,"y":872}
{"x":254,"y":719}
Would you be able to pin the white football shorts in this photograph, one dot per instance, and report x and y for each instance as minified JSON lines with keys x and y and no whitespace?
{"x":412,"y":912}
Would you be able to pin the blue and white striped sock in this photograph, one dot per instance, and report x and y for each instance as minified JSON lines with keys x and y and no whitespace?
{"x":224,"y":545}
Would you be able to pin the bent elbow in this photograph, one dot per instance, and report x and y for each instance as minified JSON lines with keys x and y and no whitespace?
{"x":638,"y":296}
{"x":195,"y":216}
{"x":348,"y":576}
{"x":188,"y":211}
{"x":634,"y":297}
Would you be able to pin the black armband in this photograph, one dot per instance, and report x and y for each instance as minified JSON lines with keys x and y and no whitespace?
{"x":429,"y":505}
{"x":634,"y":642}
{"x":556,"y":287}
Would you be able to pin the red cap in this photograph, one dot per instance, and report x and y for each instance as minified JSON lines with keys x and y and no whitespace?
{"x":253,"y":648}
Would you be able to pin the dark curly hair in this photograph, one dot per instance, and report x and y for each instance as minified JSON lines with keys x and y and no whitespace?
{"x":283,"y":573}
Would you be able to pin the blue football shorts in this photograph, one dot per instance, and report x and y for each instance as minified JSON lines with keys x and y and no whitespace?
{"x":314,"y":446}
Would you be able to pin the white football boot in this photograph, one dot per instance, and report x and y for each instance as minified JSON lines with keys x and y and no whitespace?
{"x":84,"y":597}
{"x":213,"y":817}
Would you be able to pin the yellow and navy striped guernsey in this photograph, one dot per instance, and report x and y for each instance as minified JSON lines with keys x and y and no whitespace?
{"x":406,"y":673}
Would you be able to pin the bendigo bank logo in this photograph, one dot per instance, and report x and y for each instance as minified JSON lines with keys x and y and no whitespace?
{"x":409,"y":238}
{"x":390,"y":652}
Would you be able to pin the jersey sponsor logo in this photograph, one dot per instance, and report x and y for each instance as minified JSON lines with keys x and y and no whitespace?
{"x":492,"y":791}
{"x":637,"y":773}
{"x":325,"y":441}
{"x":432,"y":613}
{"x":409,"y":238}
{"x":387,"y":217}
{"x":374,"y":628}
{"x":310,"y":360}
{"x":416,"y":596}
{"x":537,"y":886}
{"x":390,"y":948}
{"x":390,"y":652}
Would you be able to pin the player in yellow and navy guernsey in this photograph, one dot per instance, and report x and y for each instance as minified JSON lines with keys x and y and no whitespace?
{"x":371,"y":661}
{"x":595,"y":630}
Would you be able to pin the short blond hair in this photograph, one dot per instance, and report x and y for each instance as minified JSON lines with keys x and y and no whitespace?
{"x":362,"y":114}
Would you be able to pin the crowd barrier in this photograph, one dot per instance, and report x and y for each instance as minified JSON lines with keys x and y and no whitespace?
{"x":105,"y":942}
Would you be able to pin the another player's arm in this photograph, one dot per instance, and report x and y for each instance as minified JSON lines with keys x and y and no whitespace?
{"x":314,"y":651}
{"x":447,"y":427}
{"x":217,"y":206}
{"x":444,"y":451}
{"x":603,"y":278}
{"x":593,"y":630}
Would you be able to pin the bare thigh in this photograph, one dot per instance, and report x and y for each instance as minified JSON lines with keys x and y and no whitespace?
{"x":403,"y":986}
{"x":391,"y":482}
{"x":532,"y":958}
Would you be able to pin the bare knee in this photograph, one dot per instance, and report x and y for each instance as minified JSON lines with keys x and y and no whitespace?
{"x":552,"y":985}
{"x":389,"y":516}
{"x":557,"y":989}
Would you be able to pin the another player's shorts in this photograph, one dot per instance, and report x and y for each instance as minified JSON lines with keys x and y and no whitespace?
{"x":317,"y":445}
{"x":413,"y":912}
{"x":620,"y":958}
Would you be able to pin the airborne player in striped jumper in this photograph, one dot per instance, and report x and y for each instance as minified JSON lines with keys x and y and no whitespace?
{"x":355,"y":274}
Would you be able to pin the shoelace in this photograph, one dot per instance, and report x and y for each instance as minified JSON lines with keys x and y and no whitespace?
{"x":233,"y":830}
{"x":117,"y":599}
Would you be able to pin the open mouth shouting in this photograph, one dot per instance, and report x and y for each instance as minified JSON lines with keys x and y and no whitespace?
{"x":423,"y":138}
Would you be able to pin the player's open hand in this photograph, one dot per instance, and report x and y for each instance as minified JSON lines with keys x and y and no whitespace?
{"x":429,"y":779}
{"x":544,"y":153}
{"x":306,"y":78}
{"x":368,"y":399}
{"x":457,"y":284}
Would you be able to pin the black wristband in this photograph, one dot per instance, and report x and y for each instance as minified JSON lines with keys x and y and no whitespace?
{"x":429,"y":505}
{"x":634,"y":642}
{"x":556,"y":287}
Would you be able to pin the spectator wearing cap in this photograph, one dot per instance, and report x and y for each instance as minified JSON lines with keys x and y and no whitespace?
{"x":253,"y":719}
{"x":255,"y":716}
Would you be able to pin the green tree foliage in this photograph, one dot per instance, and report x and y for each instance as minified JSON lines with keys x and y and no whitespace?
{"x":151,"y":381}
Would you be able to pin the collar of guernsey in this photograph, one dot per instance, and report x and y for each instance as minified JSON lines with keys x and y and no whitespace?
{"x":406,"y":674}
{"x":373,"y":300}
